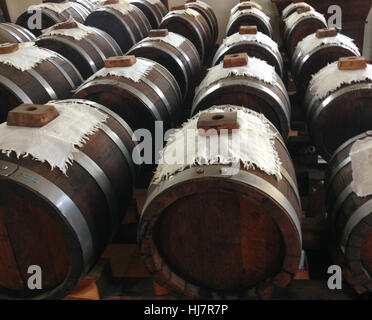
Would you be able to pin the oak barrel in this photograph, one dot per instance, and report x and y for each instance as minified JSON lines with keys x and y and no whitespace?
{"x":13,"y":33}
{"x":350,"y":215}
{"x":62,"y":223}
{"x":53,"y":78}
{"x":299,"y":25}
{"x":88,"y":54}
{"x":122,"y":21}
{"x":208,"y":235}
{"x":313,"y":54}
{"x":154,"y":10}
{"x":252,"y":16}
{"x":256,"y":45}
{"x":51,"y":14}
{"x":192,"y":25}
{"x":87,"y":4}
{"x":177,"y":54}
{"x":207,"y":12}
{"x":338,"y":111}
{"x":244,"y":86}
{"x":291,"y":8}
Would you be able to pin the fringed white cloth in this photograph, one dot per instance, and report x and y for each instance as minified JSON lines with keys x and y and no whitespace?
{"x":252,"y":145}
{"x":135,"y":72}
{"x":330,"y":78}
{"x":294,"y":17}
{"x":122,"y":6}
{"x":173,"y":39}
{"x":256,"y":68}
{"x":56,"y":142}
{"x":55,"y":7}
{"x":295,"y":6}
{"x":259,"y":38}
{"x":361,"y":164}
{"x":253,"y":11}
{"x":27,"y":57}
{"x":78,"y":33}
{"x":251,"y":3}
{"x":311,"y":42}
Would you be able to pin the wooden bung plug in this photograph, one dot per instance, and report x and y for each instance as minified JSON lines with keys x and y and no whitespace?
{"x":190,"y":1}
{"x":8,"y":48}
{"x":248,"y":30}
{"x":32,"y":115}
{"x":303,"y":10}
{"x":182,"y":7}
{"x":66,"y":25}
{"x":121,"y":61}
{"x":235,"y":60}
{"x":253,"y":4}
{"x":244,"y":7}
{"x":352,"y":63}
{"x":218,"y":121}
{"x":158,"y":33}
{"x":324,"y":33}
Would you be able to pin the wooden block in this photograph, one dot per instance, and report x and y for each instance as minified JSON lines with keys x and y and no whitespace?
{"x":218,"y":121}
{"x":182,"y":7}
{"x":32,"y":115}
{"x":190,"y":1}
{"x":253,"y":4}
{"x":235,"y":60}
{"x":159,"y":290}
{"x":324,"y":33}
{"x":66,"y":25}
{"x":244,"y":7}
{"x":8,"y":48}
{"x":352,"y":63}
{"x":158,"y":33}
{"x":121,"y":61}
{"x":303,"y":10}
{"x":302,"y":274}
{"x":110,"y":2}
{"x":248,"y":30}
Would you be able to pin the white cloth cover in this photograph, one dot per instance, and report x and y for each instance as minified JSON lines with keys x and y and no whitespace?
{"x":294,"y":17}
{"x":361,"y":164}
{"x":135,"y":72}
{"x":256,"y":68}
{"x":123,"y":6}
{"x":78,"y":33}
{"x":330,"y":78}
{"x":27,"y":57}
{"x":56,"y":142}
{"x":55,"y":7}
{"x":252,"y":145}
{"x":259,"y":38}
{"x":236,"y":7}
{"x":295,"y":5}
{"x":173,"y":39}
{"x":253,"y":11}
{"x":311,"y":42}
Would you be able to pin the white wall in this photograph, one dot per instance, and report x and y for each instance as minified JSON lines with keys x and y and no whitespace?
{"x":16,"y":7}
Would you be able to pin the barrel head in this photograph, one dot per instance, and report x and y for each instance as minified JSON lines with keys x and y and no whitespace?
{"x":32,"y":115}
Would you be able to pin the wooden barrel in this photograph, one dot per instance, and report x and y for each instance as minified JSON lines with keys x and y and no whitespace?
{"x":174,"y":52}
{"x":252,"y":16}
{"x":246,"y":4}
{"x":190,"y":24}
{"x":242,"y":85}
{"x":350,"y":215}
{"x":87,"y":4}
{"x":50,"y":79}
{"x":87,"y":54}
{"x":45,"y":222}
{"x":12,"y":33}
{"x":208,"y":235}
{"x":256,"y":45}
{"x":154,"y":10}
{"x":337,"y":111}
{"x":315,"y":51}
{"x":125,"y":23}
{"x":51,"y":14}
{"x":299,"y":25}
{"x":207,"y":12}
{"x":154,"y":97}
